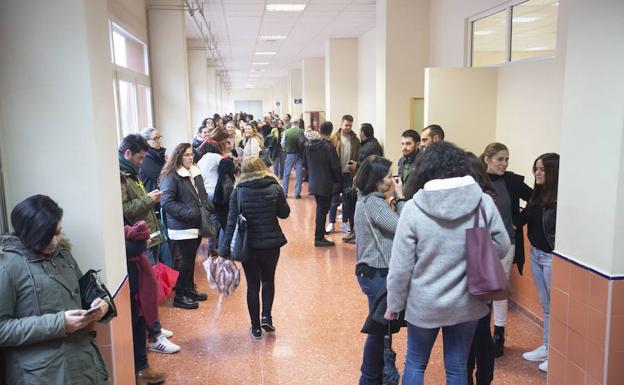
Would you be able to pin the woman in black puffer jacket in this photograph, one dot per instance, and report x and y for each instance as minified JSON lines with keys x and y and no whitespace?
{"x":183,"y":196}
{"x":262,"y":203}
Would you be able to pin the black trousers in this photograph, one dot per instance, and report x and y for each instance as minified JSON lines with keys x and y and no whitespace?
{"x":322,"y":208}
{"x":482,"y":353}
{"x":186,"y":266}
{"x":139,"y":326}
{"x":260,"y":274}
{"x":349,"y":199}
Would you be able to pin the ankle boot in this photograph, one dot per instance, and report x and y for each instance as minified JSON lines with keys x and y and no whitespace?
{"x":499,"y":341}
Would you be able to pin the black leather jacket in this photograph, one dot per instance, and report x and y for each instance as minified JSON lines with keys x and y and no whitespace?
{"x":180,"y":201}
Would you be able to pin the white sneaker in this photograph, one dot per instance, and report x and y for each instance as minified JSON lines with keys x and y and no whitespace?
{"x":163,"y":345}
{"x":166,"y":333}
{"x":329,"y":228}
{"x":345,"y":228}
{"x":543,"y":366}
{"x":539,"y":354}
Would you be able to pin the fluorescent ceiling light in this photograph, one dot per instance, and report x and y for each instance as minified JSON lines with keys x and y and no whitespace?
{"x":482,"y":33}
{"x":285,"y":7}
{"x":525,"y":19}
{"x":260,"y":63}
{"x":272,"y":37}
{"x":265,"y":53}
{"x":537,"y":49}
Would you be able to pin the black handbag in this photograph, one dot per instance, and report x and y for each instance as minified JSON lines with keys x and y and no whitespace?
{"x":238,"y":248}
{"x":91,"y":288}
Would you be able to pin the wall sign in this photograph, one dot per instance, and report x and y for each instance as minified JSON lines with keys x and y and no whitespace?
{"x":298,"y":100}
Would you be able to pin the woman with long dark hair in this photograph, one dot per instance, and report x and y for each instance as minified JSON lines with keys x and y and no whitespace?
{"x":183,"y":196}
{"x":427,"y":276}
{"x":262,"y":202}
{"x":540,"y":216}
{"x":375,"y":224}
{"x":509,"y":188}
{"x":44,"y":334}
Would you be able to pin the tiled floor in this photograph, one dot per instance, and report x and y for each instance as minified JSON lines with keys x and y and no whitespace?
{"x":318,"y":311}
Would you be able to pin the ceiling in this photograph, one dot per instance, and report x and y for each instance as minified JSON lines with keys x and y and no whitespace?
{"x":238,"y":24}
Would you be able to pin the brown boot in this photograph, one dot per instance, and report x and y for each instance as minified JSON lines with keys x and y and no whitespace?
{"x":149,"y":376}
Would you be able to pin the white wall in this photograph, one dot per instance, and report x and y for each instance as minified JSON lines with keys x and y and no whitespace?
{"x":198,"y":82}
{"x":529,"y":112}
{"x":447,"y":26}
{"x":463,"y":102}
{"x":341,"y":79}
{"x":367,"y":88}
{"x":263,"y":94}
{"x":295,"y":90}
{"x":313,"y":80}
{"x":60,"y":73}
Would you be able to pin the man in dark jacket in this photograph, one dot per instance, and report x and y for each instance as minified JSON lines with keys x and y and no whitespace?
{"x":325,"y":175}
{"x":409,"y":146}
{"x":369,"y":146}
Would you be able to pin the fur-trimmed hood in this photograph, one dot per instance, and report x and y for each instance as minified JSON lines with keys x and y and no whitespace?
{"x":257,"y":179}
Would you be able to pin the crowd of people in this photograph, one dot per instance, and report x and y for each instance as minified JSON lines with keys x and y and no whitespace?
{"x":408,"y":229}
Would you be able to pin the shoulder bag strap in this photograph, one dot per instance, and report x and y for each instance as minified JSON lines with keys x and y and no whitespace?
{"x":370,"y":224}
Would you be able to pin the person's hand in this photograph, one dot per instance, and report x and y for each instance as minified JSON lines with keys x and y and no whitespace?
{"x":155,"y":195}
{"x":148,"y":243}
{"x":103,"y":308}
{"x":398,"y":187}
{"x":76,"y":319}
{"x":390,"y":315}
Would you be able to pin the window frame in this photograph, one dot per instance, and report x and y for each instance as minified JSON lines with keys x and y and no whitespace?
{"x":508,"y":8}
{"x":121,"y":73}
{"x":4,"y":217}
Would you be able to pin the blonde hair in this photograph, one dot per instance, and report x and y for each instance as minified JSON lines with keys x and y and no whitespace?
{"x":252,"y":165}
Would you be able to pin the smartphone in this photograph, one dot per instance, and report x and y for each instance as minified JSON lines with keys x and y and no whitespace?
{"x":91,"y":311}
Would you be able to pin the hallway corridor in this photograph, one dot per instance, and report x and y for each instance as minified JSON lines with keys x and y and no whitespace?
{"x":318,"y":312}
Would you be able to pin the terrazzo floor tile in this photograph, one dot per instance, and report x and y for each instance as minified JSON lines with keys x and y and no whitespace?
{"x":318,"y":311}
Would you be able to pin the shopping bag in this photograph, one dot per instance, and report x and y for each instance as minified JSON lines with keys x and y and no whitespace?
{"x":166,"y":278}
{"x":223,"y":274}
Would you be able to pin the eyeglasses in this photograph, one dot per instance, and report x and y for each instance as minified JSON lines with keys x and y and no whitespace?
{"x":156,"y":138}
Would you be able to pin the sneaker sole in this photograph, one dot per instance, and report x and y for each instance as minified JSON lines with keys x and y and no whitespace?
{"x":535,"y":360}
{"x":268,"y":328}
{"x":162,"y":351}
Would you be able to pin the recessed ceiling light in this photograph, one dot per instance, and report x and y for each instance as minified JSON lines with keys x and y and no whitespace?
{"x":525,"y":19}
{"x":265,"y":53}
{"x":285,"y":7}
{"x":482,"y":33}
{"x":272,"y":37}
{"x":260,"y":63}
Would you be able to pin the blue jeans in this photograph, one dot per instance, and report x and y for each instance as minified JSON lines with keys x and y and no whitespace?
{"x":372,"y":360}
{"x":347,"y":181}
{"x":457,"y":341}
{"x":541,"y":263}
{"x":293,"y":160}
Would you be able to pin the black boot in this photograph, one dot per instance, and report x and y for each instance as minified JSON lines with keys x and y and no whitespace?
{"x":499,"y":341}
{"x":195,"y":295}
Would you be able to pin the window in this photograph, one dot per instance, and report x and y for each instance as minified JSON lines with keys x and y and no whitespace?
{"x":518,"y":30}
{"x":131,"y":86}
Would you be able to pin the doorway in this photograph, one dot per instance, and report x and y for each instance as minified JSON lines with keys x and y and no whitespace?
{"x":417,"y":114}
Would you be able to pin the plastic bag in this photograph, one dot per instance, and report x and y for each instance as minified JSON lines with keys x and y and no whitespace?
{"x":223,"y":274}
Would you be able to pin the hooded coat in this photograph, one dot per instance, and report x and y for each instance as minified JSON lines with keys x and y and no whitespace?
{"x":262,"y":201}
{"x":427,"y":275}
{"x":36,"y":292}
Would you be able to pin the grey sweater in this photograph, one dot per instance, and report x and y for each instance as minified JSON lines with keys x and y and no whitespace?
{"x":383,"y":222}
{"x":427,"y":274}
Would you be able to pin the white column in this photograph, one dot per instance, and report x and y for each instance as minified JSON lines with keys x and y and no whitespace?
{"x":168,"y":55}
{"x":341,"y":79}
{"x":590,"y":208}
{"x":57,"y":130}
{"x":211,"y":73}
{"x":295,"y":91}
{"x":198,"y":81}
{"x":313,"y":81}
{"x":219,"y":94}
{"x":402,"y":33}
